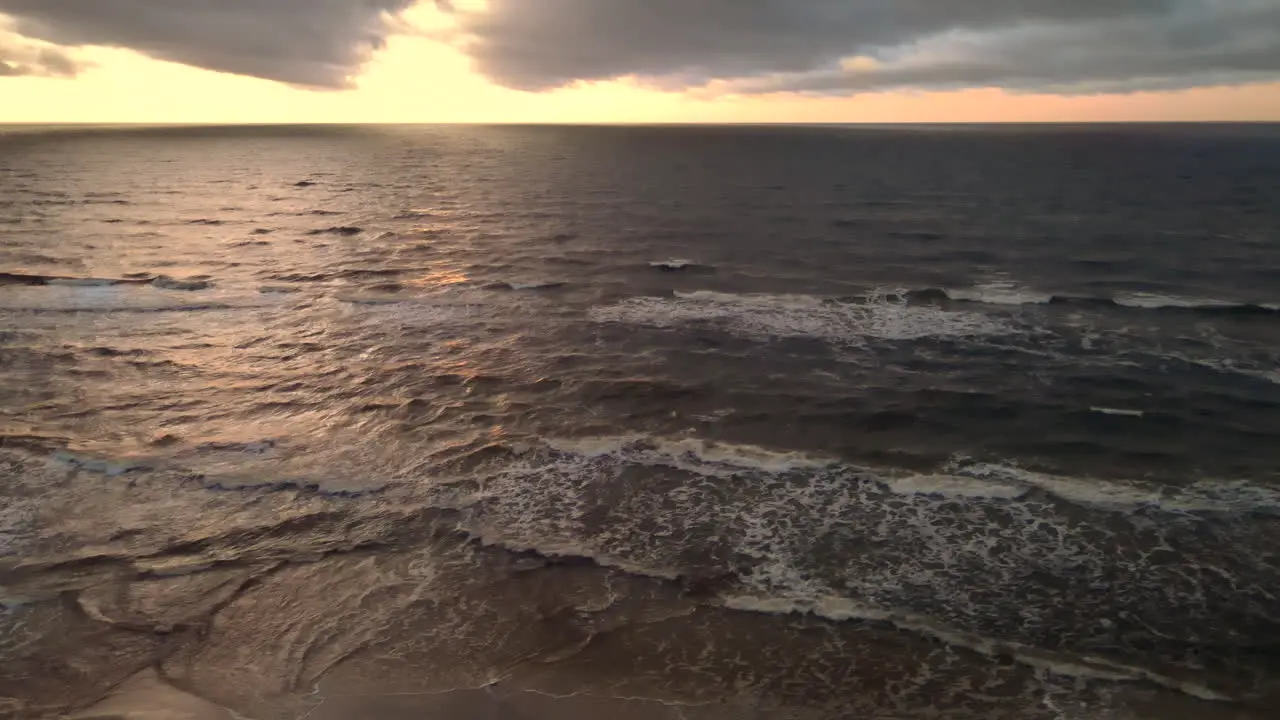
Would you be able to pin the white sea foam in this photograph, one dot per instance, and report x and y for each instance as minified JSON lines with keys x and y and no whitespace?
{"x":822,"y":487}
{"x":1226,"y":365}
{"x":116,"y":297}
{"x":1271,"y":376}
{"x":958,"y":479}
{"x":1153,"y":301}
{"x":943,"y":554}
{"x":957,"y":486}
{"x":1008,"y":292}
{"x":672,"y":264}
{"x":535,"y":284}
{"x":883,"y":317}
{"x":703,"y":457}
{"x":1216,"y":496}
{"x":1118,"y":412}
{"x":1229,"y":367}
{"x":999,"y":292}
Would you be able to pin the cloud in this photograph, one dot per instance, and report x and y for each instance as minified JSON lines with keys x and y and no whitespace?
{"x":831,"y":47}
{"x":314,"y":43}
{"x":20,"y":57}
{"x":849,"y":46}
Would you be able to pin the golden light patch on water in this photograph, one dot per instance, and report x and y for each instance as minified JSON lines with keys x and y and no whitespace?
{"x":444,"y":277}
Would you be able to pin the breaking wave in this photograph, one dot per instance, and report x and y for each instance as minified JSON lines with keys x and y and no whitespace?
{"x":1011,"y":294}
{"x":881,"y":316}
{"x":681,"y":265}
{"x":990,"y":555}
{"x":527,"y":285}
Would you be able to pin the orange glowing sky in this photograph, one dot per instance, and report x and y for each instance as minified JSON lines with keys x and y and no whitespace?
{"x":417,"y":79}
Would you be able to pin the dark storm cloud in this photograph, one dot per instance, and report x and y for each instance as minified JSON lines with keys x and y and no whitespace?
{"x":19,"y":58}
{"x":317,"y":43}
{"x":799,"y":45}
{"x":751,"y":46}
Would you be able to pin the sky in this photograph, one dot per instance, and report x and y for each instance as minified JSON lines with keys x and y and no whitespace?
{"x":641,"y":61}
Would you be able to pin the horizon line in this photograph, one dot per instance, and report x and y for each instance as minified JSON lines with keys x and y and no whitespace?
{"x":943,"y":123}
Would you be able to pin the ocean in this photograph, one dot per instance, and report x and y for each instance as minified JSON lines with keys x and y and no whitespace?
{"x":693,"y":422}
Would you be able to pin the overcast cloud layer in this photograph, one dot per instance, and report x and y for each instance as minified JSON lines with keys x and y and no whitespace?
{"x":317,"y":43}
{"x":847,"y":46}
{"x":751,"y":46}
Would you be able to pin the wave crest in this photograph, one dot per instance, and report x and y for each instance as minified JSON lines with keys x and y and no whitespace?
{"x":973,"y":550}
{"x":880,"y":316}
{"x":1013,"y":295}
